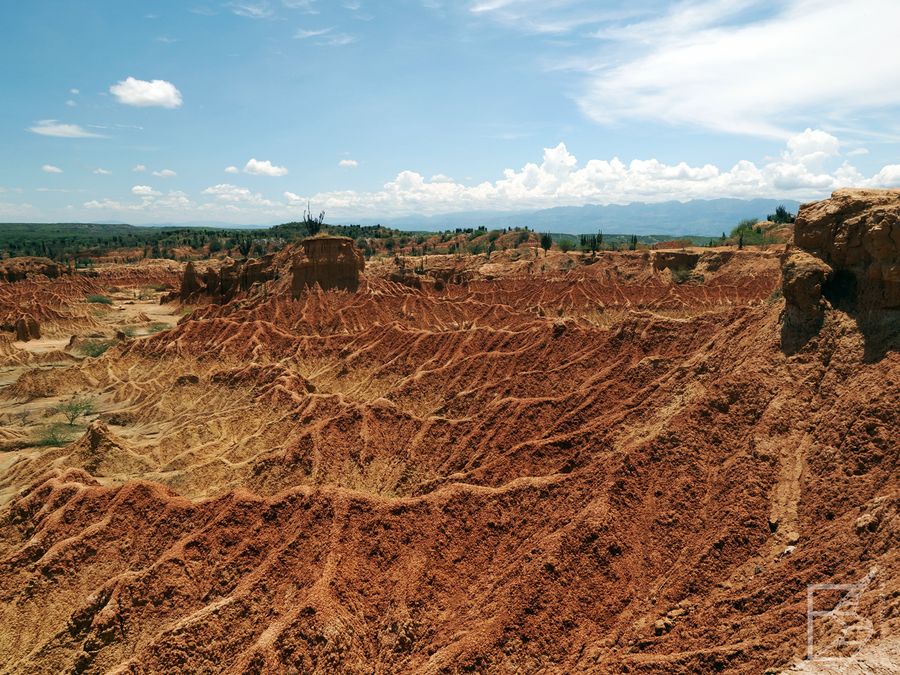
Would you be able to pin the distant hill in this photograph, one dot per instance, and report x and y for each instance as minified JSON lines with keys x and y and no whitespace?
{"x":698,"y":217}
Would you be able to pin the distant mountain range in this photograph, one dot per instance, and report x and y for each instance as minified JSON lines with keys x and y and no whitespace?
{"x":699,"y":217}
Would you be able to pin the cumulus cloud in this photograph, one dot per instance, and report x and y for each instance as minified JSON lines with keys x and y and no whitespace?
{"x":559,"y":179}
{"x":49,"y":168}
{"x":264,"y":168}
{"x":71,"y":103}
{"x":232,"y":169}
{"x":348,"y":163}
{"x":809,"y":167}
{"x":226,"y":192}
{"x":61,"y":130}
{"x":102,"y":172}
{"x":139,"y":168}
{"x":165,"y":173}
{"x":144,"y":93}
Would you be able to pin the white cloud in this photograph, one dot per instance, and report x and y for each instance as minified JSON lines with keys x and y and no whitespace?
{"x":71,"y":103}
{"x":61,"y":130}
{"x":49,"y":168}
{"x":550,"y":16}
{"x":232,"y":193}
{"x":264,"y":168}
{"x":139,"y":168}
{"x":800,"y":172}
{"x":738,"y":66}
{"x":337,"y":40}
{"x":143,"y":93}
{"x":165,"y":173}
{"x":175,"y":201}
{"x":232,"y":169}
{"x":302,"y":34}
{"x":102,"y":172}
{"x":74,"y":92}
{"x":809,"y":167}
{"x":812,"y":147}
{"x":856,"y":152}
{"x":889,"y":176}
{"x":306,"y":6}
{"x":348,"y":163}
{"x":253,"y":10}
{"x":10,"y":210}
{"x":324,"y":37}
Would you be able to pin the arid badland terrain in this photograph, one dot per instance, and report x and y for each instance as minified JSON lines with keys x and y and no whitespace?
{"x":633,"y":461}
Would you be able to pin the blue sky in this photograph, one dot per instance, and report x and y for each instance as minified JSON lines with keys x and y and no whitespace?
{"x":241,"y":111}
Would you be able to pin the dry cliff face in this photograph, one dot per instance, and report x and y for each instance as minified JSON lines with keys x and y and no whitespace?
{"x":224,"y":283}
{"x":27,"y":329}
{"x":857,"y":233}
{"x":330,"y":262}
{"x":847,"y":256}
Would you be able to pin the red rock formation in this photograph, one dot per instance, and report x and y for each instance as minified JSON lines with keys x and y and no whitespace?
{"x":223,"y":284}
{"x":675,"y":260}
{"x":19,"y":269}
{"x":27,"y":328}
{"x":330,"y":262}
{"x":190,"y":282}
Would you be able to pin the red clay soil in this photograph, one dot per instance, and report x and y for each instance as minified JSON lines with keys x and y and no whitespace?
{"x":564,"y":464}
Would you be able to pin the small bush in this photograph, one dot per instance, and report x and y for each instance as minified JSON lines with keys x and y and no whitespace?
{"x":157,"y":327}
{"x":53,"y":436}
{"x":74,"y":408}
{"x":95,"y":348}
{"x":99,"y":299}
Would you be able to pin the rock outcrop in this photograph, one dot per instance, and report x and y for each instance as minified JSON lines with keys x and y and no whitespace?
{"x":190,"y":282}
{"x":27,"y":328}
{"x":803,"y":277}
{"x":223,"y":284}
{"x":330,"y":262}
{"x":846,"y":255}
{"x":675,"y":260}
{"x":19,"y":269}
{"x":857,"y":233}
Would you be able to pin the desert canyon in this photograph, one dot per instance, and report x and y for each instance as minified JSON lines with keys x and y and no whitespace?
{"x":519,"y":461}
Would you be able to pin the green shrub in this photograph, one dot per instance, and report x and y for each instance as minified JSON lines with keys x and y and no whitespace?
{"x":74,"y":408}
{"x":100,"y":299}
{"x":157,"y":327}
{"x":53,"y":436}
{"x":95,"y":347}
